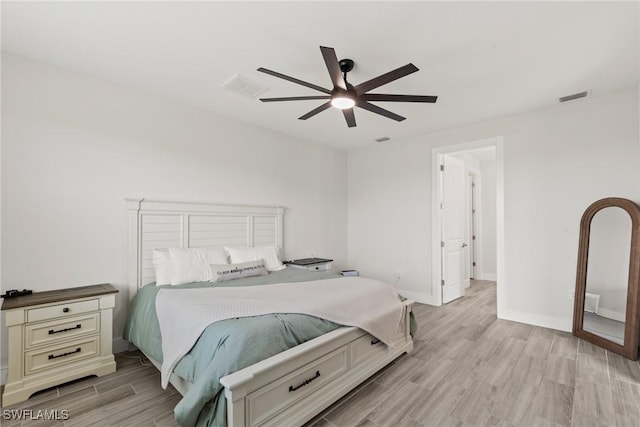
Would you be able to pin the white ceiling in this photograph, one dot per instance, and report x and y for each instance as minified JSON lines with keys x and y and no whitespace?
{"x":482,"y":59}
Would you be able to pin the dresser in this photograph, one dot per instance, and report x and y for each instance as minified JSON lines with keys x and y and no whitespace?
{"x":58,"y":336}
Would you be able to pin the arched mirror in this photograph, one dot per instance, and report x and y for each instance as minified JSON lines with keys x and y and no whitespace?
{"x":607,"y":302}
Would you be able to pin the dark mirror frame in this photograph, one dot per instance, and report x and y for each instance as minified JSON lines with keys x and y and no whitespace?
{"x":632,"y":320}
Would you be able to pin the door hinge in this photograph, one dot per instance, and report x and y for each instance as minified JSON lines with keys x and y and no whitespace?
{"x":474,"y":264}
{"x":474,"y":237}
{"x":473,"y":211}
{"x":442,"y":282}
{"x":442,"y":244}
{"x":442,"y":168}
{"x":440,"y":205}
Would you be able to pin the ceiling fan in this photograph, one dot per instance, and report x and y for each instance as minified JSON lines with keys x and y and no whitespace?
{"x":345,"y":96}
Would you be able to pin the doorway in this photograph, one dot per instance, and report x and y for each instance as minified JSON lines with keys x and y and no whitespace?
{"x":467,"y":218}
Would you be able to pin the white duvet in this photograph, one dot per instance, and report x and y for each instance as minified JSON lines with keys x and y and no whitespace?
{"x":183,"y":314}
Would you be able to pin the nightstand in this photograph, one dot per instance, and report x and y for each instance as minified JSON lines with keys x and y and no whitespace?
{"x":58,"y":336}
{"x":312,"y":264}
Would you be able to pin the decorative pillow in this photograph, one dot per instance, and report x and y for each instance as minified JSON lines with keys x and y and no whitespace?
{"x":192,"y":264}
{"x":270,"y":255}
{"x":163,"y":266}
{"x":224,"y":272}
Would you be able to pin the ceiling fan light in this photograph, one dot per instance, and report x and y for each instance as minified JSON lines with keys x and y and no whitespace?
{"x":342,"y":102}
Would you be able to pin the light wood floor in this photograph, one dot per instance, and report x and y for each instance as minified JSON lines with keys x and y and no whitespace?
{"x":467,"y":369}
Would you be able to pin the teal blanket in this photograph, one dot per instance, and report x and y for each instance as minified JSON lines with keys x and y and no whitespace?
{"x":226,"y":346}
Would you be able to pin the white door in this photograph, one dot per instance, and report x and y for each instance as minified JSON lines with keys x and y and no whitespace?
{"x":453,"y":228}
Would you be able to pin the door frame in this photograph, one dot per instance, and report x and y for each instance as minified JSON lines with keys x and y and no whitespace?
{"x":475,"y":249}
{"x":436,"y":215}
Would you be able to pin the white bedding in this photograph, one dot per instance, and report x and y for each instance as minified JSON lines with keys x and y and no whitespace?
{"x":183,"y":314}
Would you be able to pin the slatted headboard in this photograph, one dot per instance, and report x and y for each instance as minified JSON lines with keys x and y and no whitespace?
{"x":155,"y":224}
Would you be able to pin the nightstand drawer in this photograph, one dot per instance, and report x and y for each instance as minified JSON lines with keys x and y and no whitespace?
{"x":62,"y":329}
{"x":56,"y":311}
{"x":314,"y":267}
{"x":49,"y":357}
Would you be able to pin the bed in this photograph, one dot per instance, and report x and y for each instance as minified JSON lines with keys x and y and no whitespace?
{"x":282,"y":379}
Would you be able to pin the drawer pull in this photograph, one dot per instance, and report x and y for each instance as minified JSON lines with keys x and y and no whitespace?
{"x":77,"y":350}
{"x":51,"y":331}
{"x":66,"y":310}
{"x":374,"y":342}
{"x":305,"y":382}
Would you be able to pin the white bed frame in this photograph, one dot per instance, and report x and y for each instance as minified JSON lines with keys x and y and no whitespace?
{"x":289,"y":388}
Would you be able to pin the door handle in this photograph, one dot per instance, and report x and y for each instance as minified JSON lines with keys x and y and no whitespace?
{"x":464,"y":245}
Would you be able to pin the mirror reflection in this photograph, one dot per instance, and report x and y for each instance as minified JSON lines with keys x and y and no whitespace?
{"x":608,"y":274}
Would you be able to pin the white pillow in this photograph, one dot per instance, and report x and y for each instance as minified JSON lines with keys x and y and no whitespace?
{"x":270,"y":255}
{"x":192,"y":264}
{"x":224,"y":272}
{"x":163,"y":266}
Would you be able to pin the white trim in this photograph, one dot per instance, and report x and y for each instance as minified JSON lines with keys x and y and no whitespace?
{"x":611,"y":314}
{"x":436,"y":196}
{"x":558,"y":323}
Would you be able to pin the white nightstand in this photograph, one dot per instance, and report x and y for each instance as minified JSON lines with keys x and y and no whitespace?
{"x":58,"y":336}
{"x":312,"y":264}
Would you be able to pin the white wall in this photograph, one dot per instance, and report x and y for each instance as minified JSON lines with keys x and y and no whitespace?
{"x":74,"y":147}
{"x":556,"y":162}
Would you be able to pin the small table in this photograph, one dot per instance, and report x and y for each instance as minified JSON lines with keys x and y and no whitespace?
{"x":312,"y":264}
{"x":58,"y":336}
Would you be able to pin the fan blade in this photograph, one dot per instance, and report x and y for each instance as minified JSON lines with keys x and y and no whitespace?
{"x":316,"y":111}
{"x":294,"y":80}
{"x":378,"y":110}
{"x":331,"y":61}
{"x":398,"y":98}
{"x":349,"y":117}
{"x":295,"y":98}
{"x":386,"y":78}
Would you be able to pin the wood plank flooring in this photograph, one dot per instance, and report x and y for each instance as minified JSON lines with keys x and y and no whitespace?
{"x":468,"y":369}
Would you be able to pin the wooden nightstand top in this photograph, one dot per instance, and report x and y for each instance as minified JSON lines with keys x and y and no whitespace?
{"x":47,"y":297}
{"x":308,"y":261}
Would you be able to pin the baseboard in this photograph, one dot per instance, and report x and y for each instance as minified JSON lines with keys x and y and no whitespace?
{"x":558,"y":323}
{"x":610,"y":314}
{"x":119,"y":345}
{"x":489,"y":276}
{"x":420,"y":297}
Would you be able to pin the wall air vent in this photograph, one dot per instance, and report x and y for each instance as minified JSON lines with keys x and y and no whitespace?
{"x":244,"y":86}
{"x":383,"y":139}
{"x":575,"y":96}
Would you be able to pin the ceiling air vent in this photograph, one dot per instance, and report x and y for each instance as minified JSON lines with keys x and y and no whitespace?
{"x":244,"y":86}
{"x":574,"y":96}
{"x":383,"y":139}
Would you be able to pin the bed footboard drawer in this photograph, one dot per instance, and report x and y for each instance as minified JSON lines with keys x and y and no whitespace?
{"x":364,"y":348}
{"x":271,"y":399}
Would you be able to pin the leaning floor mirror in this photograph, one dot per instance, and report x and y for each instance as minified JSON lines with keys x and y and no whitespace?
{"x":607,"y":296}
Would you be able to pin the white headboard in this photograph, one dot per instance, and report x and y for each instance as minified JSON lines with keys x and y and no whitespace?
{"x":155,"y":224}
